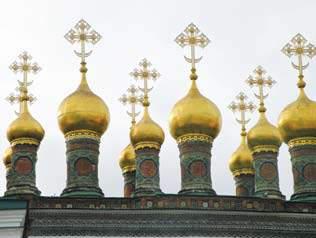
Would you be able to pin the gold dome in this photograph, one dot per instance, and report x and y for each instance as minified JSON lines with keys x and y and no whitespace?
{"x":298,"y":119}
{"x":25,"y":126}
{"x":241,"y":161}
{"x":83,"y":110}
{"x":147,"y":131}
{"x":127,"y":159}
{"x":195,"y":114}
{"x":7,"y":157}
{"x":264,"y":134}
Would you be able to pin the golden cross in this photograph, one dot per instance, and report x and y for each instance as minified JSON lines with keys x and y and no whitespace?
{"x":83,"y":33}
{"x":260,"y":80}
{"x":24,"y":66}
{"x":145,"y":74}
{"x":133,"y":99}
{"x":298,"y":46}
{"x":192,"y":37}
{"x":242,"y":106}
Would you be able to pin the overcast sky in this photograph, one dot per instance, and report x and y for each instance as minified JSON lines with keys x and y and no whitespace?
{"x":243,"y":35}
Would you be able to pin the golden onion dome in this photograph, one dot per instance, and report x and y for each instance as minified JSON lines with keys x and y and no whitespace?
{"x":263,"y":134}
{"x":25,"y":126}
{"x":127,"y":159}
{"x":147,"y":131}
{"x":298,"y":119}
{"x":241,"y":161}
{"x":7,"y":157}
{"x":83,"y":110}
{"x":195,"y":114}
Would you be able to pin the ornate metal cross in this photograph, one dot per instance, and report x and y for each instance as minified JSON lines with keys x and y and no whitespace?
{"x":242,"y":106}
{"x":298,"y":46}
{"x":83,"y":33}
{"x":260,"y":80}
{"x":24,"y":66}
{"x":192,"y":37}
{"x":145,"y":74}
{"x":132,"y":99}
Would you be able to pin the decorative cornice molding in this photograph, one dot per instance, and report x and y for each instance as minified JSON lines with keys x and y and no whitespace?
{"x":194,"y":137}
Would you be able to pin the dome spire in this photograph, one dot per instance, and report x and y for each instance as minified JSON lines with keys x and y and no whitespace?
{"x":192,"y":37}
{"x":298,"y":47}
{"x":260,"y":81}
{"x":240,"y":163}
{"x":132,"y":98}
{"x":83,"y":33}
{"x":145,"y":74}
{"x":25,"y":67}
{"x":242,"y":106}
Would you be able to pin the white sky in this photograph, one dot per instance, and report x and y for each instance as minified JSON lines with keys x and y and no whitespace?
{"x":243,"y":35}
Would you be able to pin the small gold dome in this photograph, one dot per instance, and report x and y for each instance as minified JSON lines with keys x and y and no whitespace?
{"x":146,"y":130}
{"x":298,"y":119}
{"x":25,"y":126}
{"x":7,"y":157}
{"x":83,"y":110}
{"x":263,"y":133}
{"x":127,"y":159}
{"x":195,"y":114}
{"x":241,"y":161}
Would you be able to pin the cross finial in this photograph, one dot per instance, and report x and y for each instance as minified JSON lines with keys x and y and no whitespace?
{"x":25,"y":66}
{"x":191,"y":36}
{"x":83,"y":34}
{"x":260,"y":80}
{"x":145,"y":73}
{"x":242,"y":106}
{"x":298,"y":47}
{"x":132,"y":98}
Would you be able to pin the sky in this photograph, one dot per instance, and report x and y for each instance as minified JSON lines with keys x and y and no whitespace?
{"x":243,"y":34}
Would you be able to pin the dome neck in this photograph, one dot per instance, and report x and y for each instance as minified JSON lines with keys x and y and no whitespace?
{"x":84,"y":83}
{"x":243,"y":135}
{"x":146,"y":115}
{"x":194,"y":90}
{"x":132,"y":125}
{"x":302,"y":93}
{"x":262,"y":116}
